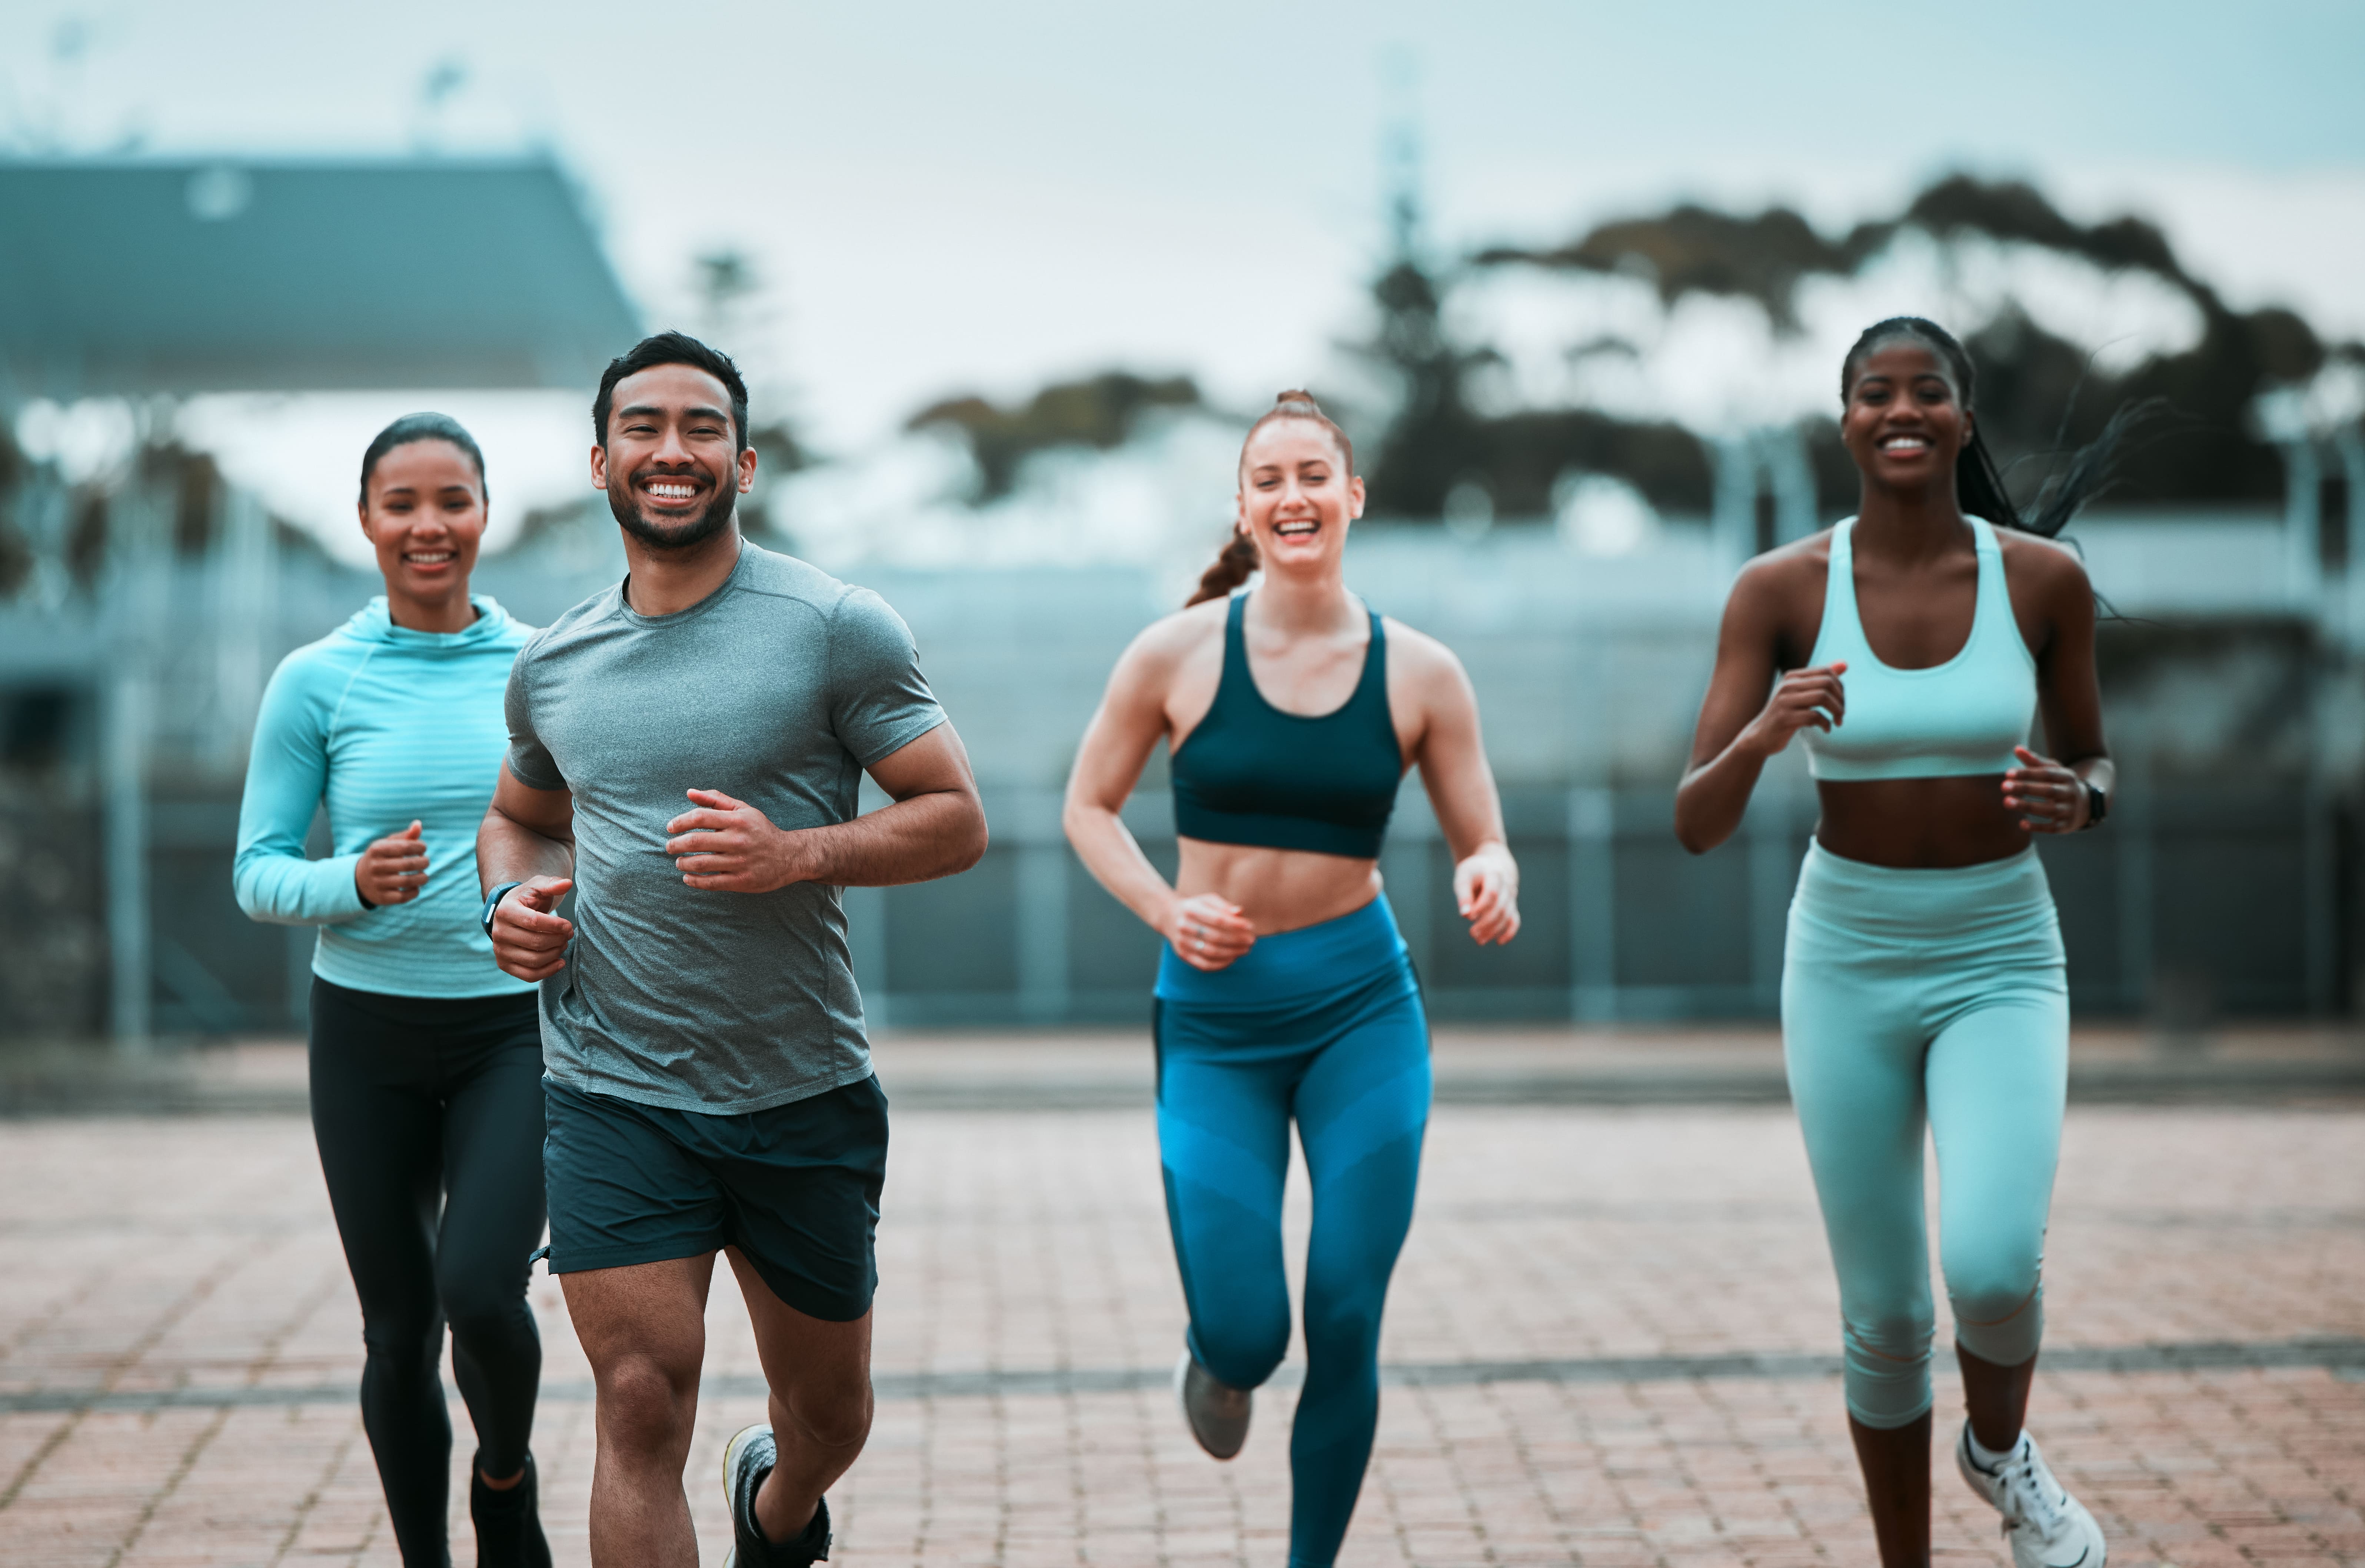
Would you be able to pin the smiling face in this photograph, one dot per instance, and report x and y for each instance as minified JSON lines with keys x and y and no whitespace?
{"x":1296,"y":496}
{"x":425,"y":513}
{"x":1904,"y":422}
{"x":672,"y":465}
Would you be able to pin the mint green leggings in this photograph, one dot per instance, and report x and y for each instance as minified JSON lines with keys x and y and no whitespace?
{"x":1928,"y":996}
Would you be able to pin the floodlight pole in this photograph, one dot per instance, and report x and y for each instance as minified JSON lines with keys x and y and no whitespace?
{"x":127,"y":719}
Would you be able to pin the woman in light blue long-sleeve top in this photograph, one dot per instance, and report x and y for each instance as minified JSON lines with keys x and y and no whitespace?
{"x":426,"y":1059}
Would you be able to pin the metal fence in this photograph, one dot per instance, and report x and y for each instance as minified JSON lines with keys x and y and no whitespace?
{"x":2228,"y":878}
{"x":2196,"y":899}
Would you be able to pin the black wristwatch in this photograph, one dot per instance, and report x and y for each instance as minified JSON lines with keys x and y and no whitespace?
{"x":493,"y":901}
{"x":2097,"y":805}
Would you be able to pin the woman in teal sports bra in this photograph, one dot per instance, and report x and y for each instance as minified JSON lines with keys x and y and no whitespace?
{"x":1283,"y":992}
{"x":1912,"y":646}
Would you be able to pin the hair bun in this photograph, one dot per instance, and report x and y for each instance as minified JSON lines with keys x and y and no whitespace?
{"x":1296,"y":395}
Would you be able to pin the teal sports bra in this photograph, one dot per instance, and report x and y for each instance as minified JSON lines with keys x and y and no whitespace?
{"x":1960,"y":717}
{"x":1251,"y":773}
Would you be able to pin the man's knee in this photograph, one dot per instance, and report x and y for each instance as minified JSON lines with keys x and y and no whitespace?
{"x":647,"y":1403}
{"x":835,"y":1417}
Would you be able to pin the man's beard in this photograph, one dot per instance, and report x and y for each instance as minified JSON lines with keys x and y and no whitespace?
{"x":680,"y":536}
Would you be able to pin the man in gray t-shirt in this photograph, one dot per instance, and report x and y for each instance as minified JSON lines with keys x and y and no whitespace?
{"x":685,"y":752}
{"x":778,"y":688}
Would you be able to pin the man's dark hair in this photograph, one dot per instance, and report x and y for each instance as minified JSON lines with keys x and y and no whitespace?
{"x":670,"y":348}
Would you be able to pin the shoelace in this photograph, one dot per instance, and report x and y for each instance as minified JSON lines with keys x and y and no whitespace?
{"x":2032,"y":1501}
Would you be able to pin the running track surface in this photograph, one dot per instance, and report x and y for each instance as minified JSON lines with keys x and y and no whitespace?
{"x":1610,"y":1343}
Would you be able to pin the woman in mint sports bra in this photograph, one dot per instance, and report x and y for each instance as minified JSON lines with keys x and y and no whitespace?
{"x":1284,"y":992}
{"x":1912,"y":646}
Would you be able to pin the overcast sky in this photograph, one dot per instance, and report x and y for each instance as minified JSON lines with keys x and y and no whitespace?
{"x":955,"y":197}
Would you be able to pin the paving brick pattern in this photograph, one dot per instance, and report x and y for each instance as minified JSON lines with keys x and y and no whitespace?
{"x":148,"y":1267}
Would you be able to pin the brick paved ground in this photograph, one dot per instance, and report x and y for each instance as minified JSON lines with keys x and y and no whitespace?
{"x":178,"y":1343}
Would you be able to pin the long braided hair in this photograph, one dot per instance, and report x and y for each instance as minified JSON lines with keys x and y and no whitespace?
{"x":1238,"y":557}
{"x":1978,"y":486}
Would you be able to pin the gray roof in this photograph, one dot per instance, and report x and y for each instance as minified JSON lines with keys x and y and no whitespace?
{"x":127,"y":277}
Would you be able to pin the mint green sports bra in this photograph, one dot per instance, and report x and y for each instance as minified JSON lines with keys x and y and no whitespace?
{"x":1960,"y":717}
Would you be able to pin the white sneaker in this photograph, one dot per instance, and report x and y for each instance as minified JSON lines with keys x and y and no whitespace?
{"x":2046,"y":1527}
{"x":1217,"y":1413}
{"x":747,"y":1458}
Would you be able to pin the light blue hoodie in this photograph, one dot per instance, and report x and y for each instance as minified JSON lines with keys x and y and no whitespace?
{"x":385,"y":725}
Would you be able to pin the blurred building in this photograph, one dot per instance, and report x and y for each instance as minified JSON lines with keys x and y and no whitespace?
{"x":139,"y":621}
{"x":143,"y":616}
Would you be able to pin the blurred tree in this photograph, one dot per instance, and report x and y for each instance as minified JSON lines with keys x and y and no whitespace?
{"x":734,"y":316}
{"x":16,"y":549}
{"x":194,"y":484}
{"x":2039,"y":394}
{"x":87,"y":531}
{"x":1436,"y":442}
{"x":1099,"y":412}
{"x":726,"y":281}
{"x":1693,"y":249}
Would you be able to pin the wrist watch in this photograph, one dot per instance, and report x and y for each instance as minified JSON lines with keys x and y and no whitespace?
{"x":493,"y":901}
{"x":2097,"y":805}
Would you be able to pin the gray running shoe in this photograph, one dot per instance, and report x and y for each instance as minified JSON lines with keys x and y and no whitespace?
{"x":747,"y":1458}
{"x":2046,"y":1527}
{"x":1217,"y":1413}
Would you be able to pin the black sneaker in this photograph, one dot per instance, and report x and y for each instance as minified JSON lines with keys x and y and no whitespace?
{"x":746,"y":1459}
{"x":509,"y":1522}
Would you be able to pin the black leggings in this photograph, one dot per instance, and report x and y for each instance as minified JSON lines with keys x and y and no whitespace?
{"x":428,"y":1111}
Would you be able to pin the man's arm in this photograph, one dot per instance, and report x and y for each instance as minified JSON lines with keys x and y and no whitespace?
{"x":936,"y":827}
{"x":528,"y":837}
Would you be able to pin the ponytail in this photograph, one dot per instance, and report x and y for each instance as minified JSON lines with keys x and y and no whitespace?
{"x":1238,"y":557}
{"x":1978,"y":485}
{"x":1232,"y":567}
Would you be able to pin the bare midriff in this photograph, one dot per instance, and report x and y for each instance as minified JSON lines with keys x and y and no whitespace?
{"x":1278,"y":889}
{"x":1918,"y":824}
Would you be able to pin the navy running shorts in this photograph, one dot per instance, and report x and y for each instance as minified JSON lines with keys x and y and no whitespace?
{"x":795,"y":1188}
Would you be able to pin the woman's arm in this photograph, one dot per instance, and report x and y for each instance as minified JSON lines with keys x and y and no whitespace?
{"x":1206,"y":931}
{"x":1451,"y":757}
{"x":1739,"y":725}
{"x":2048,"y":793}
{"x":286,"y":773}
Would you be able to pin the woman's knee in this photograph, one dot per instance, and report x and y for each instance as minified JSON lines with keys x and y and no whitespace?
{"x":1240,"y":1345}
{"x":484,"y":1311}
{"x":1342,"y":1326}
{"x":1992,"y":1279}
{"x":1998,"y":1314}
{"x":408,"y":1335}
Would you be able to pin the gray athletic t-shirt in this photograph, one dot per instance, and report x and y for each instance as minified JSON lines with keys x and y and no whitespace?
{"x":779,"y":690}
